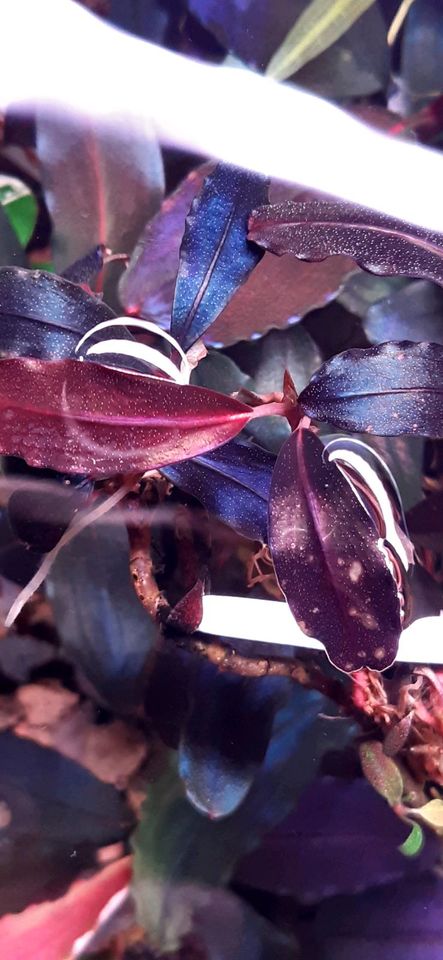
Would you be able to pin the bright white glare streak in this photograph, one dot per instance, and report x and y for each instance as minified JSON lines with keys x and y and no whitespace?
{"x":269,"y":621}
{"x":374,"y":483}
{"x":140,"y":351}
{"x":71,"y":60}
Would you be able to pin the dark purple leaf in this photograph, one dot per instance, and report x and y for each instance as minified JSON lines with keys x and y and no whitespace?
{"x":402,"y":921}
{"x":233,"y":483}
{"x":85,"y":269}
{"x":425,"y":522}
{"x":86,"y":418}
{"x":315,"y":229}
{"x":39,"y":512}
{"x":44,"y":316}
{"x":338,"y":587}
{"x":60,"y":814}
{"x":392,"y":389}
{"x":413,"y":313}
{"x":215,"y":256}
{"x":342,"y":838}
{"x":103,"y":627}
{"x":224,"y":739}
{"x":250,"y":29}
{"x":102,"y":183}
{"x":147,"y":286}
{"x":277,"y":291}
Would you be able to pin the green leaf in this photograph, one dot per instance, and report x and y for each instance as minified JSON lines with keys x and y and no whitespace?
{"x":318,"y":27}
{"x":20,"y":207}
{"x":432,"y":814}
{"x":381,"y":772}
{"x":413,"y":844}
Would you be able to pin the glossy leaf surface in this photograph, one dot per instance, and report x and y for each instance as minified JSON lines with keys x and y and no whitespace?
{"x":102,"y":183}
{"x":225,"y":738}
{"x":392,"y":389}
{"x":147,"y":285}
{"x":85,"y":418}
{"x":103,"y":627}
{"x":277,"y":292}
{"x":44,"y":316}
{"x":233,"y":483}
{"x":338,"y":587}
{"x":316,"y":229}
{"x":215,"y":256}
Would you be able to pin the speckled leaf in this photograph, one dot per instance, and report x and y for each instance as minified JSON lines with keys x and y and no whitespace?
{"x":338,"y":587}
{"x":413,"y":313}
{"x":392,"y":389}
{"x":147,"y":286}
{"x":232,"y":482}
{"x":276,"y":293}
{"x":44,"y":316}
{"x":381,"y":771}
{"x":315,"y":229}
{"x":215,"y":256}
{"x":86,"y":418}
{"x":87,"y":267}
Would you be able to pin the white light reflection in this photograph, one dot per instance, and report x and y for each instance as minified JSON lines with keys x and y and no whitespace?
{"x":269,"y":621}
{"x":70,"y":59}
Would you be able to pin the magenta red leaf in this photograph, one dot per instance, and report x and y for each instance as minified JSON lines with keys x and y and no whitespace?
{"x":338,"y":586}
{"x":89,"y":419}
